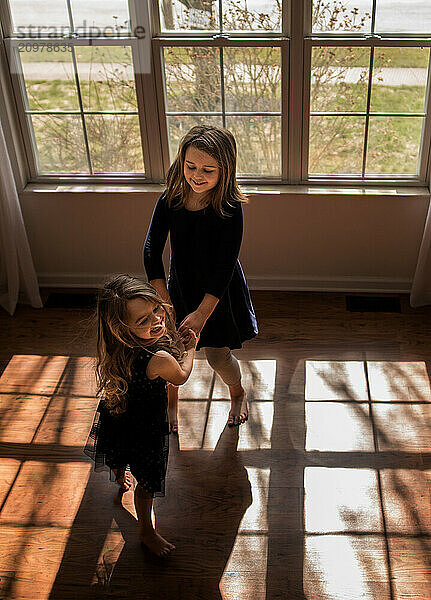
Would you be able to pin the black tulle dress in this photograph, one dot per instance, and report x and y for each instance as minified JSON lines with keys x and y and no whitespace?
{"x":138,"y":438}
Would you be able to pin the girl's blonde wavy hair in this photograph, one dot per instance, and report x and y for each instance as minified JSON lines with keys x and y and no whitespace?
{"x":218,"y":143}
{"x":117,"y":345}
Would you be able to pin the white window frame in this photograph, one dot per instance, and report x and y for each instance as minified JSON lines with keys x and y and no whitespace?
{"x":295,"y":42}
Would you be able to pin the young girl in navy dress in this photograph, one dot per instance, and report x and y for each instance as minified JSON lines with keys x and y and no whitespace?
{"x":138,"y":351}
{"x":201,"y":209}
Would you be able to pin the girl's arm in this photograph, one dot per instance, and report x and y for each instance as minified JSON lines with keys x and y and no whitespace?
{"x":197,"y":319}
{"x":154,"y":246}
{"x":164,"y":365}
{"x":161,"y":288}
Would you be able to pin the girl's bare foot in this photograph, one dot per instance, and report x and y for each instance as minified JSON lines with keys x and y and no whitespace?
{"x":238,"y":413}
{"x":124,"y":480}
{"x":156,"y":544}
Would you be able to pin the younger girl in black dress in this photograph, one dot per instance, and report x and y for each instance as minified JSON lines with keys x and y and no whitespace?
{"x":201,"y":210}
{"x":138,"y":351}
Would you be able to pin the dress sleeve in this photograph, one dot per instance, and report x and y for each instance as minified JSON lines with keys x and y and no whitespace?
{"x":156,"y":240}
{"x":224,"y":252}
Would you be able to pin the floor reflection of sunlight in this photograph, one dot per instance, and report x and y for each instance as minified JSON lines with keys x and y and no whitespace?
{"x":250,"y":552}
{"x":35,"y":523}
{"x":32,"y":374}
{"x":338,"y":427}
{"x":41,"y":494}
{"x":399,"y":381}
{"x":22,"y":416}
{"x":335,"y":380}
{"x":204,"y":406}
{"x":341,"y":567}
{"x":341,"y":500}
{"x":258,"y":379}
{"x":256,"y":516}
{"x":365,"y":408}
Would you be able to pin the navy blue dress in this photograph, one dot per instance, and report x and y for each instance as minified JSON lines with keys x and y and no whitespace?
{"x":204,"y":259}
{"x":139,"y":437}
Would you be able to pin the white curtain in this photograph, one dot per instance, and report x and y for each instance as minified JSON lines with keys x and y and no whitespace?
{"x":421,"y":288}
{"x":17,"y":269}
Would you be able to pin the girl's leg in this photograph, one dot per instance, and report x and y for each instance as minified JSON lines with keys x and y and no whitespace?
{"x":147,"y":534}
{"x":124,"y":479}
{"x":173,"y":408}
{"x":226,"y":365}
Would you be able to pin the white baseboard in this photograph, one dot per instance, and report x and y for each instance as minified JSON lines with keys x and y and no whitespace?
{"x":331,"y":284}
{"x":309,"y":284}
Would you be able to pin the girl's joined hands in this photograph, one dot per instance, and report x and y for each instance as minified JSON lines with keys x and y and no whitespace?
{"x":195,"y":320}
{"x":189,"y":339}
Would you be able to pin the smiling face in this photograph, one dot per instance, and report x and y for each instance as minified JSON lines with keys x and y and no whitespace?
{"x":200,"y":170}
{"x":146,"y":319}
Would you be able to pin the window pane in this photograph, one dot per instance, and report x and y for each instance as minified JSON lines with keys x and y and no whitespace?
{"x":106,"y":77}
{"x":393,"y":145}
{"x":115,"y":143}
{"x":336,"y":17}
{"x":49,"y":79}
{"x":336,"y":145}
{"x":60,"y":144}
{"x":399,"y":79}
{"x":403,"y":16}
{"x":252,"y":79}
{"x":238,"y":15}
{"x":259,"y":144}
{"x":100,"y":14}
{"x":179,"y":126}
{"x":339,"y":79}
{"x":192,"y":78}
{"x":43,"y":17}
{"x":189,"y":14}
{"x":252,"y":15}
{"x":50,"y":13}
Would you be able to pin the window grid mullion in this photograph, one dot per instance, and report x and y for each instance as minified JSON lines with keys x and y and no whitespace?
{"x":220,"y":15}
{"x":367,"y":116}
{"x":306,"y":101}
{"x":369,"y":41}
{"x":145,"y":69}
{"x":70,"y":14}
{"x":220,"y":113}
{"x":6,"y":20}
{"x":296,"y":86}
{"x":222,"y":87}
{"x":285,"y":53}
{"x":373,"y":17}
{"x":425,"y":157}
{"x":81,"y":108}
{"x":160,"y":110}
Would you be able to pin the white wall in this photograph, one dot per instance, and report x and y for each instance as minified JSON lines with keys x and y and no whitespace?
{"x":292,"y":241}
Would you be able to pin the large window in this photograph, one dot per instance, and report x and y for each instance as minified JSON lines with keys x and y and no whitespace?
{"x":313,"y":90}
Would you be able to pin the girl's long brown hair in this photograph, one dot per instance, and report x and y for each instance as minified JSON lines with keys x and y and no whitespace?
{"x":117,"y":345}
{"x":218,"y":143}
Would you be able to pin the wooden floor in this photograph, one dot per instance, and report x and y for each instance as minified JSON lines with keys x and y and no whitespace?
{"x":323,"y":495}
